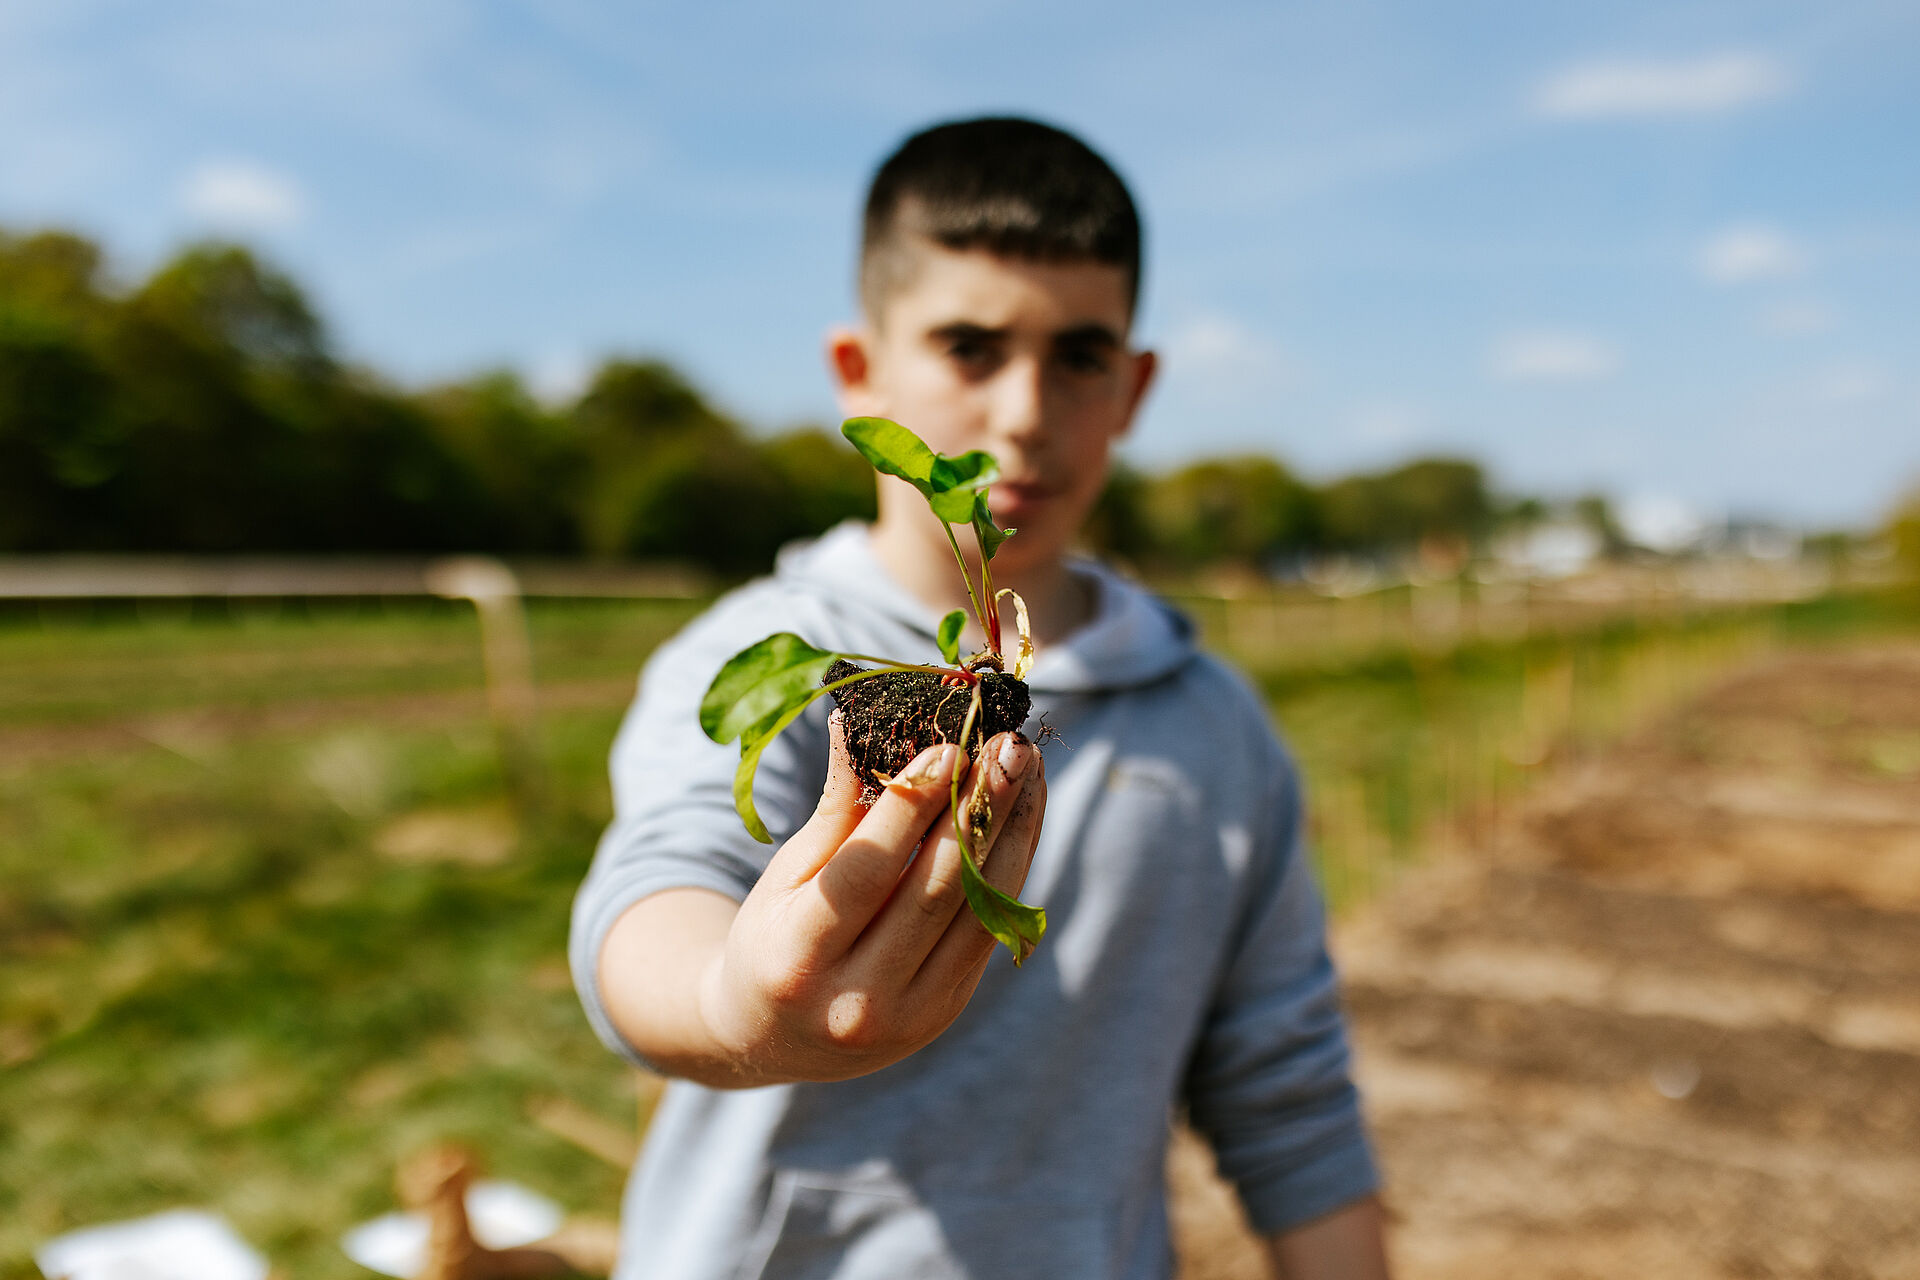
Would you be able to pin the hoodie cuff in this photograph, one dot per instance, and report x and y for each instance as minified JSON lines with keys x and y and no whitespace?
{"x":1334,"y":1173}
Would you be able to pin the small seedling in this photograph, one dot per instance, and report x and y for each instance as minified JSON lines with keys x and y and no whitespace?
{"x":891,"y":710}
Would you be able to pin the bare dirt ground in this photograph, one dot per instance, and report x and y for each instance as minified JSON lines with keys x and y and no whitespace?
{"x":1666,"y":1021}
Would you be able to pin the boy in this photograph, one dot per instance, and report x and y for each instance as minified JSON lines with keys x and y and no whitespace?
{"x":865,"y":1088}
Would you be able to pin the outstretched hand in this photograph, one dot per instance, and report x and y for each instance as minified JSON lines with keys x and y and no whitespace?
{"x":855,"y":948}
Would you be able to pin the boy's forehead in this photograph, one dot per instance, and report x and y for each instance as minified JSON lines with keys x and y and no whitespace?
{"x":943,"y":286}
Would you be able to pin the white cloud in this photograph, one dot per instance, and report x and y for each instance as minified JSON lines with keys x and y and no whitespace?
{"x":1740,"y":254}
{"x":242,"y":195}
{"x":1797,"y":319}
{"x":1720,"y":82}
{"x":1854,"y":382}
{"x":1541,"y":356}
{"x":1214,"y":344}
{"x":1221,"y":361}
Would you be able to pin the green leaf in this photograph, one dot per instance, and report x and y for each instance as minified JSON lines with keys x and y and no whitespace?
{"x":1017,"y":926}
{"x":760,"y":682}
{"x":990,"y":534}
{"x":758,"y":693}
{"x":949,"y":484}
{"x":752,"y":743}
{"x":948,"y":636}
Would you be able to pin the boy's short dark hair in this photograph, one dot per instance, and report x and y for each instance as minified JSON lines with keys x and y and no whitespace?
{"x":1011,"y":186}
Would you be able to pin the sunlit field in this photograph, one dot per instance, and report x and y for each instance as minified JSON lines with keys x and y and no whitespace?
{"x":270,"y":917}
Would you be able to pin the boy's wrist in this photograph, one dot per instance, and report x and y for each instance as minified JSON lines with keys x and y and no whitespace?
{"x":717,"y":1019}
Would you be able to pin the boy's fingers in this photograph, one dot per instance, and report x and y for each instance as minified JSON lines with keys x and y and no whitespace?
{"x":930,"y":894}
{"x":1010,"y":856}
{"x":855,"y":881}
{"x":961,"y":954}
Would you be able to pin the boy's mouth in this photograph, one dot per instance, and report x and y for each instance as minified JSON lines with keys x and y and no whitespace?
{"x":1010,"y":497}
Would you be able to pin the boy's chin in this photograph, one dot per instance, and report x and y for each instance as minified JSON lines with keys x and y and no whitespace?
{"x":1029,"y":549}
{"x":1045,"y":533}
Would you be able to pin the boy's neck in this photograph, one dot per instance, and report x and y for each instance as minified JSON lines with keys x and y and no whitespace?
{"x":1058,"y":599}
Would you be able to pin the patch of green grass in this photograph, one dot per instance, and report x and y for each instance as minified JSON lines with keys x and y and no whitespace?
{"x":220,"y":991}
{"x":268,"y":1029}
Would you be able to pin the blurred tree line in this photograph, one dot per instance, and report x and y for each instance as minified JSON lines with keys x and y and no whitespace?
{"x":1253,"y":511}
{"x":203,"y":411}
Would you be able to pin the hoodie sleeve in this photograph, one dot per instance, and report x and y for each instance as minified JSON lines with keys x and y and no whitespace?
{"x":1268,"y":1083}
{"x":674,"y":824}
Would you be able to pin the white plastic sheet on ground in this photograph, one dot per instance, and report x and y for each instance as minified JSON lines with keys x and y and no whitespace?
{"x":181,"y":1244}
{"x":502,"y":1214}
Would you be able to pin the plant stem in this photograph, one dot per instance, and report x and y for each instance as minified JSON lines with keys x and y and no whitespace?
{"x":953,"y":789}
{"x":979,"y":614}
{"x":992,"y":624}
{"x":891,"y":664}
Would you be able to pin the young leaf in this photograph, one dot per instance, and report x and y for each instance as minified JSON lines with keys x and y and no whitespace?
{"x":1013,"y":923}
{"x":990,"y":534}
{"x":755,"y":736}
{"x":752,"y":743}
{"x":759,"y":682}
{"x":949,"y":484}
{"x":948,"y":637}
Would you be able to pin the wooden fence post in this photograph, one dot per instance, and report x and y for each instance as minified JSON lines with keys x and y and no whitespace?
{"x":507,"y":654}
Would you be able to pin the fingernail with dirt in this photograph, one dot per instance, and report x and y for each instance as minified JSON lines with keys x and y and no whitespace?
{"x":1015,"y":756}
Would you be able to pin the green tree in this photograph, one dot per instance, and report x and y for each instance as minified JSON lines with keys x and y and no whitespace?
{"x":1903,"y":530}
{"x":527,"y":459}
{"x":243,"y":433}
{"x":59,"y":440}
{"x":1117,"y":525}
{"x":669,"y":475}
{"x":821,"y":481}
{"x":1246,"y":509}
{"x":1427,"y":498}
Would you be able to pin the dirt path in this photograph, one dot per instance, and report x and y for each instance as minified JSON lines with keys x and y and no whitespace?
{"x":1668,"y":1022}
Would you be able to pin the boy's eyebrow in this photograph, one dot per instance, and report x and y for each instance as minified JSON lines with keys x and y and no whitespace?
{"x":965,"y":331}
{"x":1091,"y":334}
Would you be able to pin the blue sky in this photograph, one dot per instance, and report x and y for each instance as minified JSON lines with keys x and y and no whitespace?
{"x":1666,"y":249}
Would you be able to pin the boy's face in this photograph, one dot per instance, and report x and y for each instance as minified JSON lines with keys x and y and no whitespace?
{"x":1027,"y":360}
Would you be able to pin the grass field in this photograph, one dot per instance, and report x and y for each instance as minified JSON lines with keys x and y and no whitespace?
{"x":268,"y":919}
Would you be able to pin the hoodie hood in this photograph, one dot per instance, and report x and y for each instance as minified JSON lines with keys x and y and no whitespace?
{"x":1133,"y":639}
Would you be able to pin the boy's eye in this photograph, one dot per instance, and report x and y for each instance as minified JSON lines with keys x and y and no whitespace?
{"x":1089,"y":360}
{"x":973,"y":353}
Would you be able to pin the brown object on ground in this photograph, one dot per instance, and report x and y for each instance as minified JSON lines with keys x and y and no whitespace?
{"x":435,"y":1182}
{"x":1667,"y":1021}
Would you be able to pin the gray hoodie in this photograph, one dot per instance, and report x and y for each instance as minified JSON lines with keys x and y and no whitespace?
{"x":1184,"y":963}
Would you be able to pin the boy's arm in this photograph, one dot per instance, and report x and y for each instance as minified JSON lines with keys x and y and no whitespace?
{"x":1347,"y":1244}
{"x":849,"y":953}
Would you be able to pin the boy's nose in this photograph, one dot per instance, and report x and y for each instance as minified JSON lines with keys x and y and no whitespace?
{"x":1019,"y":407}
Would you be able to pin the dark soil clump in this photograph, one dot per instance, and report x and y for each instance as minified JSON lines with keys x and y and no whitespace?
{"x":893,"y":717}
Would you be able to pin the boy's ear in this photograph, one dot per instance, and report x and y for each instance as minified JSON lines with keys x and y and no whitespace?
{"x":1145,"y":365}
{"x":850,"y":363}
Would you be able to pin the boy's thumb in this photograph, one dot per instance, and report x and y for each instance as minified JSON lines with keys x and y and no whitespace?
{"x":833,"y":820}
{"x":841,"y":795}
